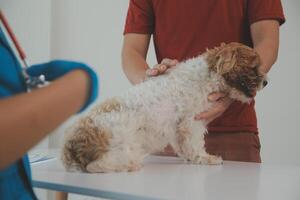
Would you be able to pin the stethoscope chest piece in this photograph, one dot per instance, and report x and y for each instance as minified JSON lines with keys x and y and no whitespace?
{"x":35,"y":82}
{"x":32,"y":82}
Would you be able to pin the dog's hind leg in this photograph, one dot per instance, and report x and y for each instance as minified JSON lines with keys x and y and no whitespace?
{"x":117,"y":160}
{"x":190,"y":143}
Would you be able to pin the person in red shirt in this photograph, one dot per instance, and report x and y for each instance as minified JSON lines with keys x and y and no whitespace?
{"x":185,"y":29}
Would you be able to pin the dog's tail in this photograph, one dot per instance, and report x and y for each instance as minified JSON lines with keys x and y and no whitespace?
{"x":84,"y":143}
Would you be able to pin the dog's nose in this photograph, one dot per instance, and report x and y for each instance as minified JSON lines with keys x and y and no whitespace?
{"x":265,"y":83}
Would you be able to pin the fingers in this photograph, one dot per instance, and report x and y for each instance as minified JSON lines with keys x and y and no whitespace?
{"x":162,"y":67}
{"x":151,"y":72}
{"x":156,"y":70}
{"x":169,"y":62}
{"x":208,"y":120}
{"x":213,"y":112}
{"x":216,"y":96}
{"x":217,"y":110}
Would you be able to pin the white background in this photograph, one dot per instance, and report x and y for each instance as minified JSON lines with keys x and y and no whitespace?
{"x":91,"y":31}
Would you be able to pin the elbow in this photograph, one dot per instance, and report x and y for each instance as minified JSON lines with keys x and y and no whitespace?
{"x":125,"y":57}
{"x":275,"y":55}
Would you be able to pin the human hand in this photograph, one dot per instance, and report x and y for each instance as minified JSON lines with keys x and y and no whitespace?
{"x":220,"y":104}
{"x":58,"y":68}
{"x":161,"y":68}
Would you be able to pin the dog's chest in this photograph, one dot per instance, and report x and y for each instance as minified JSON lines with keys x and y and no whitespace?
{"x":162,"y":113}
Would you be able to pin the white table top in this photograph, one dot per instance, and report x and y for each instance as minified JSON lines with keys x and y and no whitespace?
{"x":170,"y":178}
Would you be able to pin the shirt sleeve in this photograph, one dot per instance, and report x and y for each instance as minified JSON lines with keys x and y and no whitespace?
{"x":264,"y":10}
{"x":140,"y":17}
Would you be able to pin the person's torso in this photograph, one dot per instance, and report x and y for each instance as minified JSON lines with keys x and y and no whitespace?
{"x":185,"y":29}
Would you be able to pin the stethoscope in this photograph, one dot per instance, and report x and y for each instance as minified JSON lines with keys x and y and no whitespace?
{"x":31,"y":82}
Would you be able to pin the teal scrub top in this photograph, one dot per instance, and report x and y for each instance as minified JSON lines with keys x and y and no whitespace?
{"x":15,"y":180}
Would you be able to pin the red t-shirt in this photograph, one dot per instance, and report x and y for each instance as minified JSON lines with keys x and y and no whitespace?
{"x":185,"y":28}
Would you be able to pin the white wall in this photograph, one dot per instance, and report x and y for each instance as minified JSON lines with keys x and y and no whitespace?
{"x":90,"y":31}
{"x":278,"y":105}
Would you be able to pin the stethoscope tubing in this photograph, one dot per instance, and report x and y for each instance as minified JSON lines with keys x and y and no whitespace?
{"x":31,"y":82}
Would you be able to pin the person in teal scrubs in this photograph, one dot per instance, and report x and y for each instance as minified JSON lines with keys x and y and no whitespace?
{"x":26,"y":118}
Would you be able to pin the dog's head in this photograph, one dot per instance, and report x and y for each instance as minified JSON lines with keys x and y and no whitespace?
{"x":239,"y":66}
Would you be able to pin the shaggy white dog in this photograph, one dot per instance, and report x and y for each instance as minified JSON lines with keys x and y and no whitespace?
{"x":117,"y":134}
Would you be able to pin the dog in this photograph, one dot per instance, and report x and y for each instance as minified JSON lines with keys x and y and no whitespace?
{"x":119,"y":133}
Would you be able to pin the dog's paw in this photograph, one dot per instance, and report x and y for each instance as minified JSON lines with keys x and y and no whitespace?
{"x":100,"y":167}
{"x":207,"y":160}
{"x":134,"y":166}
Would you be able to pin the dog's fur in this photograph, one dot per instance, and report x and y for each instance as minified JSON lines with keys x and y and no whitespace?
{"x":117,"y":134}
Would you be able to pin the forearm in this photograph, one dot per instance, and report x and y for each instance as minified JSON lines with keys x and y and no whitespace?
{"x":26,"y":118}
{"x":134,"y":53}
{"x":268,"y":51}
{"x":265,"y":35}
{"x":134,"y":65}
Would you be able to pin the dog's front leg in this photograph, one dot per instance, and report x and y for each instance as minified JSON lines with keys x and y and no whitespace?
{"x":190,"y":142}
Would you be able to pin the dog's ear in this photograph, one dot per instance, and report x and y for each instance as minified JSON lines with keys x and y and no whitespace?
{"x":226,"y":60}
{"x":243,"y":73}
{"x":232,"y":57}
{"x":246,"y":57}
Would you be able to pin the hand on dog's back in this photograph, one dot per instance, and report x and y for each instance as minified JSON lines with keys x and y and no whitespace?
{"x":162,"y":67}
{"x":221,"y":103}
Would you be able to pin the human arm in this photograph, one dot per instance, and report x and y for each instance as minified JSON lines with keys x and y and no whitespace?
{"x":134,"y":53}
{"x":265,"y":36}
{"x":26,"y":118}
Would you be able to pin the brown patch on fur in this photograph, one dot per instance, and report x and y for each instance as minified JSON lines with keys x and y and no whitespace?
{"x":238,"y":64}
{"x":86,"y":144}
{"x":110,"y":105}
{"x":107,"y":106}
